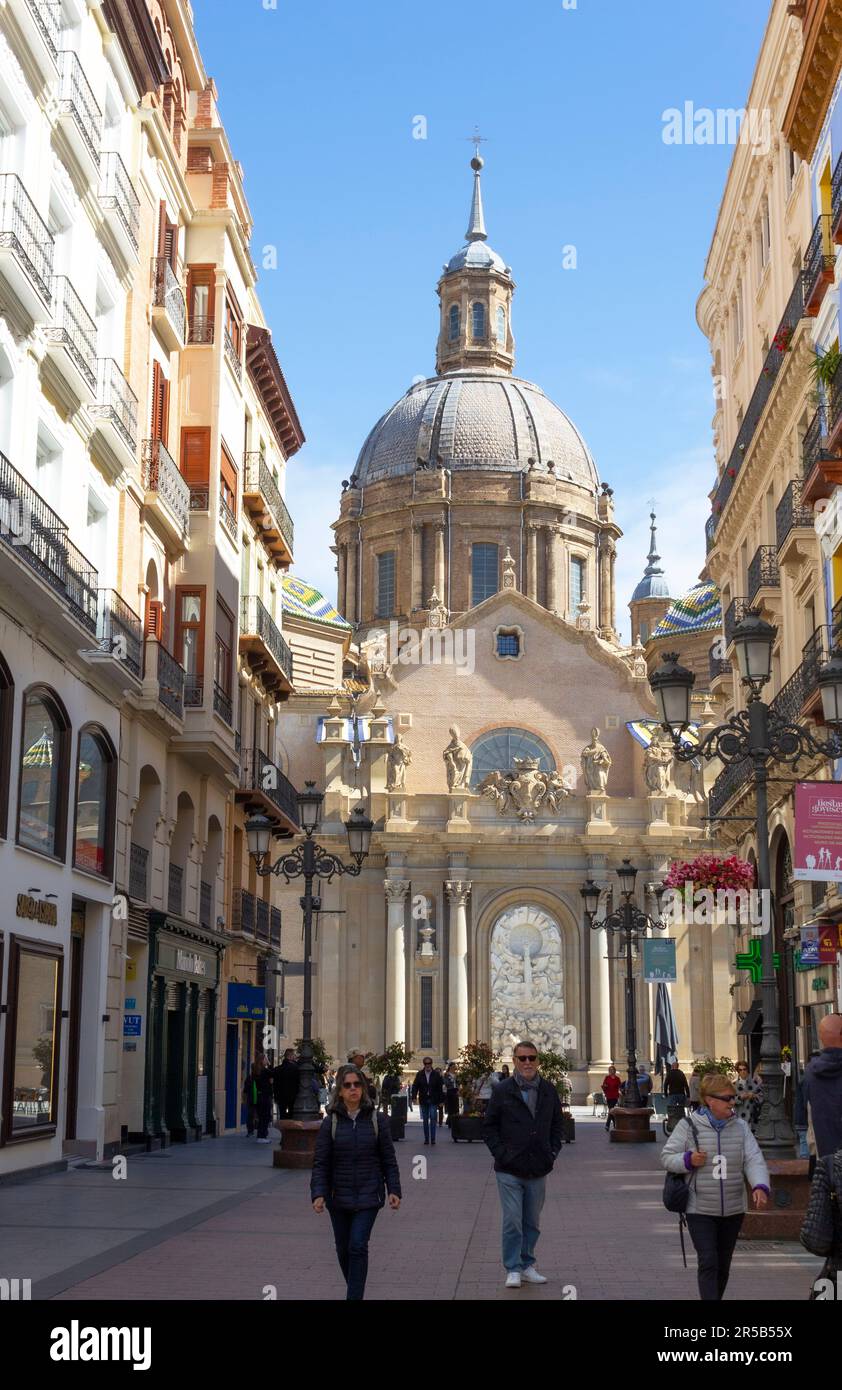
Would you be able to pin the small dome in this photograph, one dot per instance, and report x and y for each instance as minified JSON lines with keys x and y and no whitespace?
{"x":699,"y":610}
{"x":476,"y":420}
{"x":301,"y":600}
{"x":477,"y":255}
{"x":651,"y":586}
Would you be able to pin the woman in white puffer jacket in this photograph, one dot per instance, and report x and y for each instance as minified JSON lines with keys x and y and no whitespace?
{"x":726,"y":1159}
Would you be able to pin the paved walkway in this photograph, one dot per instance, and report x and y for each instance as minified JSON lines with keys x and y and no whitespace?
{"x":216,"y":1221}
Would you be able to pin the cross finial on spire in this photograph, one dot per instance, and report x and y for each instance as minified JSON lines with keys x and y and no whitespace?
{"x":476,"y":222}
{"x":476,"y":140}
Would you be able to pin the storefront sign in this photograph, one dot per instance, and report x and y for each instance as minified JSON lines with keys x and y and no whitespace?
{"x":191,"y":963}
{"x":37,"y":910}
{"x":659,"y":961}
{"x":817,"y":853}
{"x":830,"y":941}
{"x":247,"y":1001}
{"x":186,"y":959}
{"x":809,"y":954}
{"x":131,"y":1025}
{"x":130,"y":1004}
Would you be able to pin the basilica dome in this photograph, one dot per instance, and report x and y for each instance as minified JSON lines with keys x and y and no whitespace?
{"x":476,"y":420}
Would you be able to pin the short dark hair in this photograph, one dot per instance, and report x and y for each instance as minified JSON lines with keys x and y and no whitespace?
{"x":428,"y":1059}
{"x":524,"y":1042}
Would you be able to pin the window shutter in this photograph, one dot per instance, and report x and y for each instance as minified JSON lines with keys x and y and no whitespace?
{"x":195,"y":456}
{"x":154,"y":621}
{"x":228,"y":472}
{"x":160,"y":404}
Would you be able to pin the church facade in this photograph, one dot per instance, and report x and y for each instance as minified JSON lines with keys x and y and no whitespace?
{"x":492,"y":728}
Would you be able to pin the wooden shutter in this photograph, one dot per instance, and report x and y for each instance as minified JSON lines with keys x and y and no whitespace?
{"x":202,"y":275}
{"x":160,"y":404}
{"x":228,"y":474}
{"x":167,"y":237}
{"x":195,"y":456}
{"x":153,"y":625}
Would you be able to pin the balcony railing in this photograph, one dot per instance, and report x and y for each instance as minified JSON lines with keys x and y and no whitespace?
{"x":119,"y":630}
{"x":259,"y":774}
{"x":161,"y":474}
{"x":77,"y":100}
{"x":262,"y":922}
{"x":227,"y":517}
{"x":275,"y":928}
{"x":138,"y":872}
{"x":175,"y":895}
{"x":222,"y":703}
{"x":257,"y":478}
{"x":199,"y":497}
{"x":243,"y":912}
{"x":167,"y":294}
{"x":47,"y":16}
{"x":82,"y":585}
{"x":23,"y":233}
{"x":836,"y":201}
{"x":819,"y":261}
{"x":233,"y":357}
{"x":728,"y":783}
{"x":717,"y":666}
{"x":734,"y":613}
{"x":200,"y":330}
{"x":205,"y":904}
{"x":763,"y":571}
{"x":194,"y":690}
{"x":255,"y":618}
{"x":116,"y":402}
{"x":116,"y":191}
{"x":792,"y":315}
{"x":170,"y":676}
{"x":73,"y":329}
{"x":789,"y":699}
{"x":789,"y":513}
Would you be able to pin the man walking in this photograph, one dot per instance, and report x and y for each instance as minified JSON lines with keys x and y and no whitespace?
{"x":611,"y":1088}
{"x":822,"y":1088}
{"x":428,"y":1087}
{"x":522,"y":1127}
{"x":285,"y":1084}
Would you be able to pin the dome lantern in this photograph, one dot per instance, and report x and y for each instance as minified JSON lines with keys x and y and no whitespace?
{"x":475,"y":296}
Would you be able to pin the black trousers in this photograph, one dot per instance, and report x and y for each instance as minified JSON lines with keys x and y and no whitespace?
{"x":714,"y":1238}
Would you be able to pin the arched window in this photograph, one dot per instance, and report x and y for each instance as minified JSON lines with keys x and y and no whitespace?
{"x":96,"y":786}
{"x":7,"y":708}
{"x":497,"y":750}
{"x":44,"y":771}
{"x":501,"y":325}
{"x":479,"y":320}
{"x":453,"y":330}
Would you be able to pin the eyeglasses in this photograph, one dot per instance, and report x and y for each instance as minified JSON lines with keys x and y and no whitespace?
{"x":526,"y":1057}
{"x":352,"y":1085}
{"x":725,"y":1098}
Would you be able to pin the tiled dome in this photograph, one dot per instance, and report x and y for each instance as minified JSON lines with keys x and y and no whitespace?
{"x":698,"y":611}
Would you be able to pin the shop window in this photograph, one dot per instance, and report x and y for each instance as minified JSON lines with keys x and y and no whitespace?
{"x":96,"y":780}
{"x":31,"y":1101}
{"x":44,"y":767}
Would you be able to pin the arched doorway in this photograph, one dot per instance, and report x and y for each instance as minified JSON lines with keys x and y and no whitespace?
{"x":526,"y":978}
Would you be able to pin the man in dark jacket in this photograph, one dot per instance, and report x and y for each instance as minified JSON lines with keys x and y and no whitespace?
{"x":675,"y":1082}
{"x":285,"y":1084}
{"x":822,"y":1088}
{"x":428,"y":1087}
{"x":522,"y":1127}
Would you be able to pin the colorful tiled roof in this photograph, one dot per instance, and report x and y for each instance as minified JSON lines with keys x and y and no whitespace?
{"x":698,"y":611}
{"x":301,"y":600}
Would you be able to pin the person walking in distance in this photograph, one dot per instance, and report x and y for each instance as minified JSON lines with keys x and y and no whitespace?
{"x":523,"y":1129}
{"x":285,"y":1084}
{"x":611,"y":1088}
{"x":354,"y":1168}
{"x":451,"y":1092}
{"x":822,"y":1089}
{"x":429,"y":1089}
{"x":719,"y":1154}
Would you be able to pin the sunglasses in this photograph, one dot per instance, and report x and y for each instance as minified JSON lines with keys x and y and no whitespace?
{"x":728,"y":1099}
{"x":527,"y":1057}
{"x":352,"y":1085}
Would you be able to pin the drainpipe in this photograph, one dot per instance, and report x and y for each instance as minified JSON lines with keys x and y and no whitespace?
{"x":448,"y":499}
{"x":522,"y":529}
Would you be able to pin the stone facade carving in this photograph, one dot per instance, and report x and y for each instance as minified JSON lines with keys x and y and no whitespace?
{"x":526,"y":791}
{"x":509,"y":576}
{"x":657,"y":763}
{"x":375,"y":650}
{"x":437,"y":614}
{"x":398,"y":760}
{"x":596,"y":764}
{"x":527,"y":999}
{"x":458,"y":762}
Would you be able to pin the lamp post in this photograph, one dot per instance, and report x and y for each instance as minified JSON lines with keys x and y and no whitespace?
{"x":762,"y":735}
{"x":633,"y":924}
{"x":308,"y":861}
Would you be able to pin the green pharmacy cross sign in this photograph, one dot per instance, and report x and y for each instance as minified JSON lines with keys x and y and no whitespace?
{"x":750,"y":960}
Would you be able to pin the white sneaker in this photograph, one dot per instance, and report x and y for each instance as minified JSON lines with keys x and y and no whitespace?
{"x":531,"y":1276}
{"x":264,"y":1141}
{"x":513,"y":1279}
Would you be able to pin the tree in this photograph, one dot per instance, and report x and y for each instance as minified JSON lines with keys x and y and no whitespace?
{"x":554,"y":1066}
{"x":475,"y":1060}
{"x":391,"y":1062}
{"x":321,"y":1056}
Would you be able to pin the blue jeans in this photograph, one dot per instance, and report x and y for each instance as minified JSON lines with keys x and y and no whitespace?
{"x":429,"y":1114}
{"x":521,"y":1200}
{"x":351,"y":1231}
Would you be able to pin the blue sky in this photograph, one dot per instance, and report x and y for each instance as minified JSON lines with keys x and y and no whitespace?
{"x":319,"y":101}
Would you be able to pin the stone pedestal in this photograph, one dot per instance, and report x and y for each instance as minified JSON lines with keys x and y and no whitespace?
{"x":631,"y":1125}
{"x":783,"y":1216}
{"x":396,"y":802}
{"x":298,"y":1143}
{"x":598,"y":820}
{"x":457,"y":818}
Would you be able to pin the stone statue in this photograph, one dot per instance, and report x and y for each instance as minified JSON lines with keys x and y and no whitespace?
{"x":375,"y":650}
{"x":509,"y":578}
{"x":596,"y":764}
{"x":657,"y":762}
{"x":437,"y":614}
{"x":458,"y":761}
{"x":398,"y":759}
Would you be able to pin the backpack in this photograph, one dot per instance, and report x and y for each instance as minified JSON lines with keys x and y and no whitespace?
{"x":334,"y":1117}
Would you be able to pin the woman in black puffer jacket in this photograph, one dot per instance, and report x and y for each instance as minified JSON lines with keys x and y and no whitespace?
{"x":822,"y":1229}
{"x":354,"y":1166}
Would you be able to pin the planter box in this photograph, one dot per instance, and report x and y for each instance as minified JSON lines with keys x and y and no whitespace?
{"x":466,"y":1127}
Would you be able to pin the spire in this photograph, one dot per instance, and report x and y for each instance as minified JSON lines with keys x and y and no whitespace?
{"x":653,"y":584}
{"x":653,"y":557}
{"x":476,"y":222}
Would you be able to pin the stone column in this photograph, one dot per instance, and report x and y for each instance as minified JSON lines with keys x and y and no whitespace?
{"x":439,"y":579}
{"x":419,"y":598}
{"x":532,"y":561}
{"x":612,"y":609}
{"x":600,"y":1039}
{"x":553,"y":570}
{"x":457,"y":1013}
{"x":603,"y":615}
{"x":341,"y":559}
{"x":350,"y":611}
{"x":396,"y":891}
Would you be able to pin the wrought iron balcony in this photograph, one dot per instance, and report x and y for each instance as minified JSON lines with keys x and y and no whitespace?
{"x":710,"y":534}
{"x":222,"y":703}
{"x":199,"y":497}
{"x":117,"y":196}
{"x":264,"y":787}
{"x":162,"y":475}
{"x":82,"y":586}
{"x":227,"y":517}
{"x":77,"y":101}
{"x":194,"y":690}
{"x":717,"y":666}
{"x":262,"y":498}
{"x":200,"y":330}
{"x":819,"y":261}
{"x":262,"y":921}
{"x":822,"y":464}
{"x":119,"y":630}
{"x":242,"y":912}
{"x":205,"y":904}
{"x":169,"y":676}
{"x":836,"y":202}
{"x":40,"y":23}
{"x":29,"y":263}
{"x":168,"y":299}
{"x":74,"y":332}
{"x":790,"y":515}
{"x":790,"y":698}
{"x":730,"y":781}
{"x":275,"y":928}
{"x":138,"y":872}
{"x":116,"y":403}
{"x":763,"y":571}
{"x":734,"y":613}
{"x":233,"y":357}
{"x":262,"y":642}
{"x":175,"y":895}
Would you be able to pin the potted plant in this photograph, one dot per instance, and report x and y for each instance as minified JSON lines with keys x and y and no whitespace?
{"x":474,"y":1061}
{"x":709,"y":875}
{"x":723,"y":1065}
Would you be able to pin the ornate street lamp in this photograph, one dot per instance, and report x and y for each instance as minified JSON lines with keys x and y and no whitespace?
{"x":633,"y":924}
{"x":758,"y":733}
{"x":308,"y":861}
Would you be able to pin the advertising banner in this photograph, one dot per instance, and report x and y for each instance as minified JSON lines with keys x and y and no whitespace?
{"x":659,"y":961}
{"x":817,"y":852}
